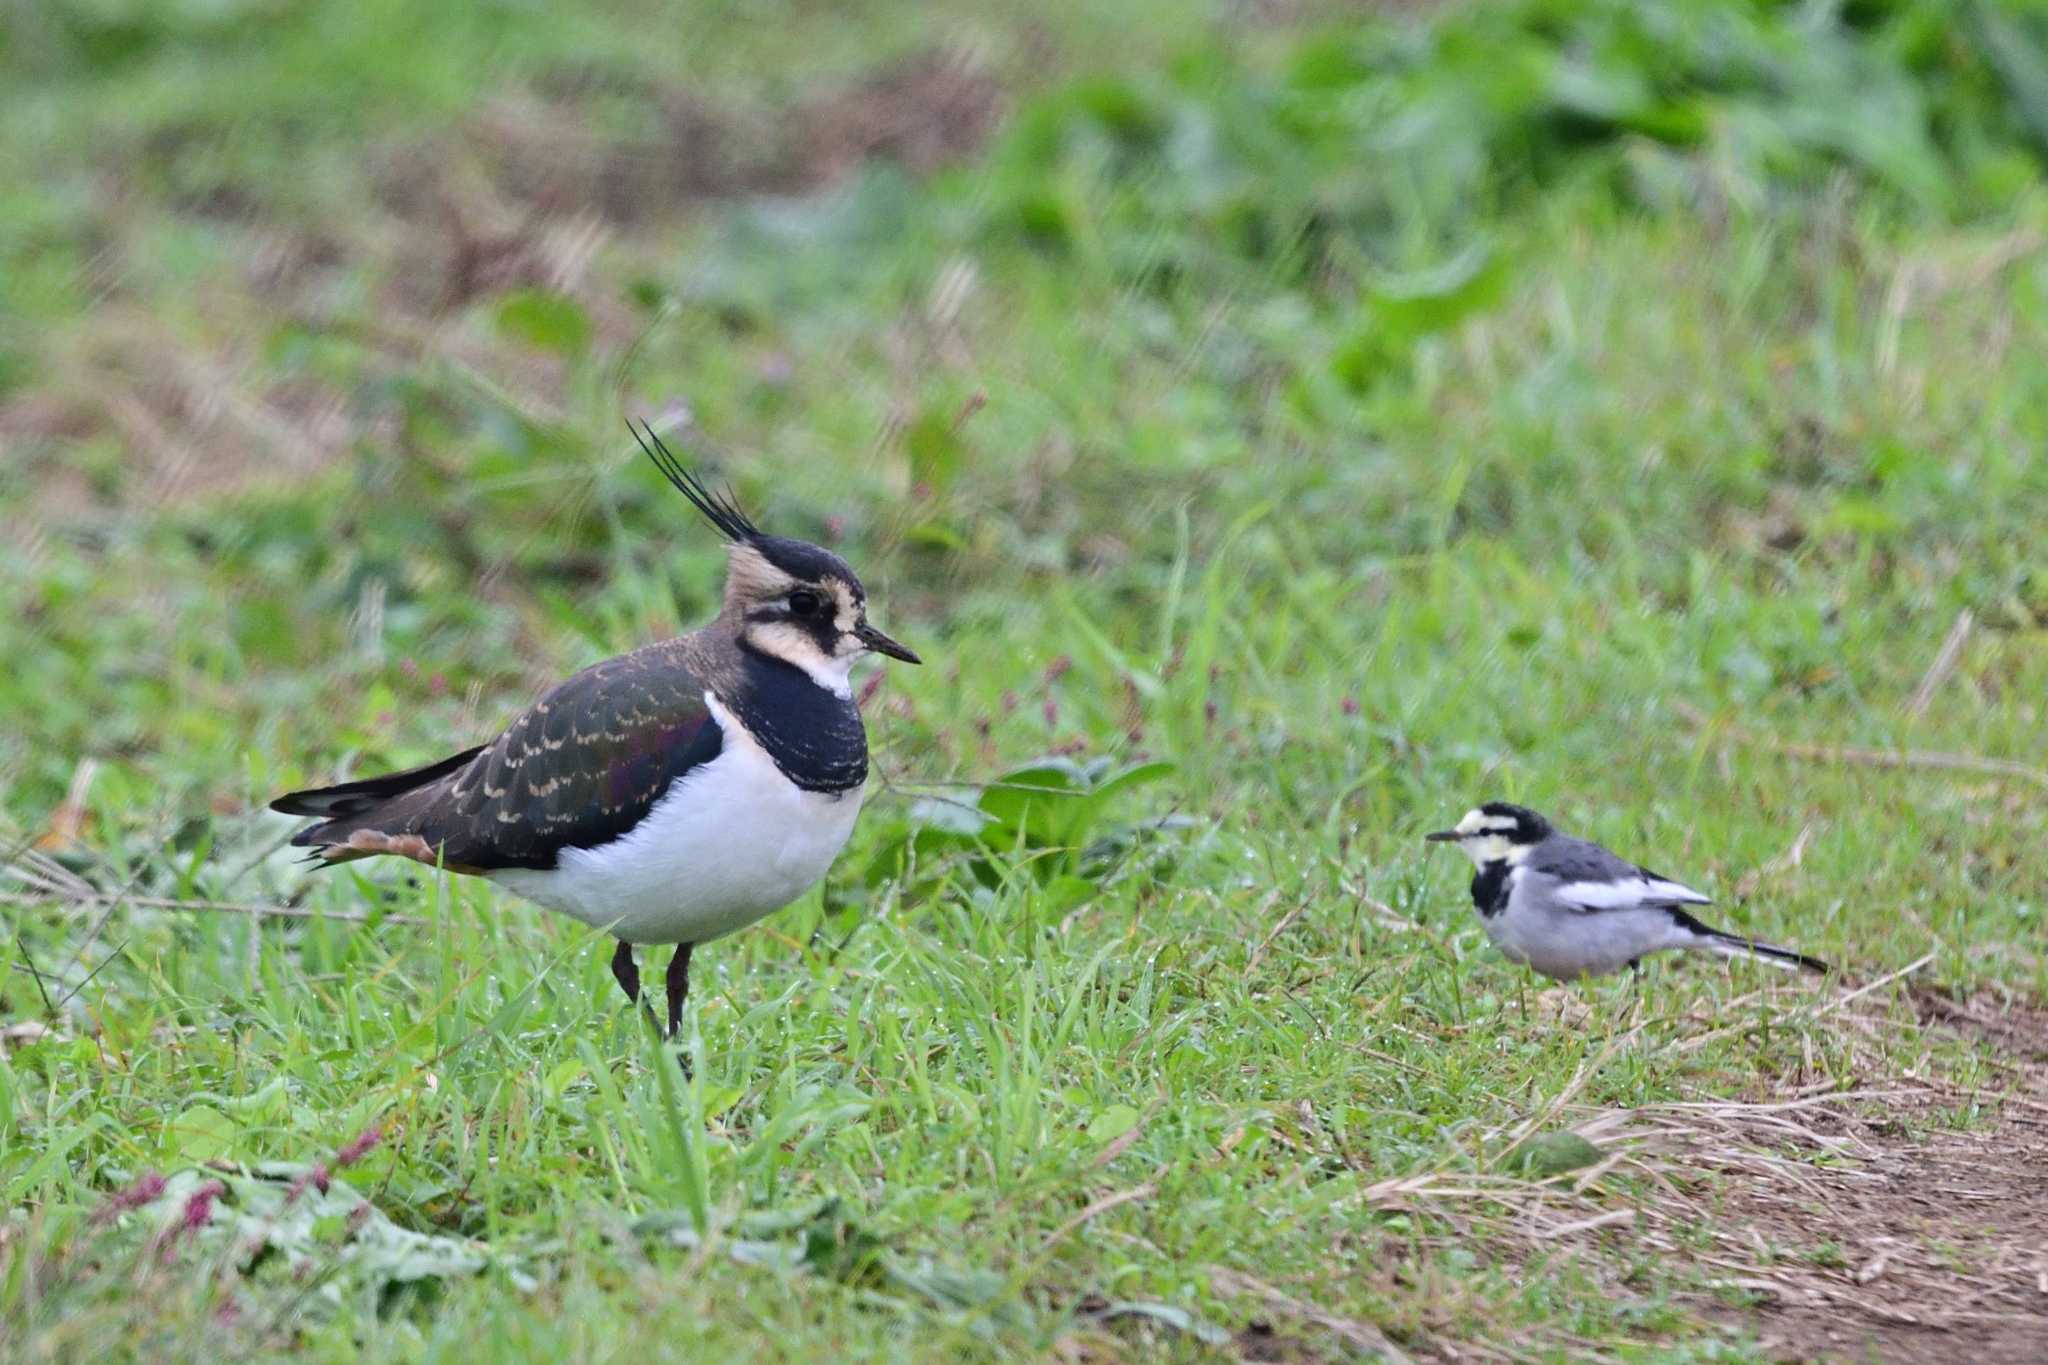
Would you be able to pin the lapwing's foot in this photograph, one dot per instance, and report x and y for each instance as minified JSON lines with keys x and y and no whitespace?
{"x":678,"y":987}
{"x":626,"y":972}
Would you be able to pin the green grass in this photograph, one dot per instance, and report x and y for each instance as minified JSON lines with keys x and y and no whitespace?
{"x":1597,"y":460}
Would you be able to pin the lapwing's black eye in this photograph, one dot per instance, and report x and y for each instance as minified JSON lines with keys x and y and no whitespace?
{"x":803,"y":602}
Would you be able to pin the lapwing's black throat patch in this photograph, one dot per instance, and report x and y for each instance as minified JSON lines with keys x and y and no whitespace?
{"x":1490,"y":889}
{"x":813,"y":734}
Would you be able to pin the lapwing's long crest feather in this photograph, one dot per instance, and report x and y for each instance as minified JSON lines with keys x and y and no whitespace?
{"x":720,"y":509}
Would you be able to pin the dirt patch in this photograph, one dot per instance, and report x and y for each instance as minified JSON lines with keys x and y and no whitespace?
{"x":2014,"y":1028}
{"x":1926,"y":1244}
{"x":1261,"y":1344}
{"x":1934,"y":1247}
{"x":925,"y":113}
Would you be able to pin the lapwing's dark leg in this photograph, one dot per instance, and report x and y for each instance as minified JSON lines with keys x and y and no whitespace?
{"x":627,"y":973}
{"x":678,"y":986}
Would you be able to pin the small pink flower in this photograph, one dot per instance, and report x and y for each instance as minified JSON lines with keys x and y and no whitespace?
{"x":317,"y":1178}
{"x":197,"y":1212}
{"x":358,"y":1216}
{"x":148,"y":1187}
{"x":1052,"y":713}
{"x":365,"y":1142}
{"x":1059,"y":668}
{"x":199,"y":1206}
{"x":1349,"y":706}
{"x":869,"y":688}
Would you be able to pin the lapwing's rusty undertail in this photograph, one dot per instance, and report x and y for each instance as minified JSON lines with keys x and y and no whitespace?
{"x":671,"y":795}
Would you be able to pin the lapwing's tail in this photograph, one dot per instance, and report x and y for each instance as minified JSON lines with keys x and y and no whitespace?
{"x":350,"y":811}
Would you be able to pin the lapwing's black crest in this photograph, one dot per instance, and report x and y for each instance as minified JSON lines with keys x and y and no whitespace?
{"x":722,"y":510}
{"x":797,"y":558}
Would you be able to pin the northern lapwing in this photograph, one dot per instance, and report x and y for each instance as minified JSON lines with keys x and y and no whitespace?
{"x":1569,"y":908}
{"x":671,"y":795}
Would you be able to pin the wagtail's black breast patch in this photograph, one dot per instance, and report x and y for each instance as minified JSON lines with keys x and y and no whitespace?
{"x":1490,"y":889}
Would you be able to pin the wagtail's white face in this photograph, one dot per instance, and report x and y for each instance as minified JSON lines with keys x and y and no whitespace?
{"x":1495,"y":833}
{"x":802,"y":604}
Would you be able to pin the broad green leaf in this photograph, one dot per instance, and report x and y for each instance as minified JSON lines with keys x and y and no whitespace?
{"x":1551,"y":1154}
{"x":1113,"y":1121}
{"x":552,"y":322}
{"x":201,"y":1133}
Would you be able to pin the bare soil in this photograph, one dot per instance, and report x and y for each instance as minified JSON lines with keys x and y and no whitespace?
{"x":1933,"y":1244}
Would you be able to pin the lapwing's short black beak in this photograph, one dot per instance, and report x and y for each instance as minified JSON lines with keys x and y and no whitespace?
{"x":882,"y":644}
{"x":1442,"y":836}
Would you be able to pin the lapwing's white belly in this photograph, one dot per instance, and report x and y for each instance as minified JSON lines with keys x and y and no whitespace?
{"x":728,"y":843}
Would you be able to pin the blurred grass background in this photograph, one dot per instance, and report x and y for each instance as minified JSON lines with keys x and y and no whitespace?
{"x":1290,"y":423}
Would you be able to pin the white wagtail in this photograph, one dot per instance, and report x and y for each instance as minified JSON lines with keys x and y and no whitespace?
{"x":1569,"y":908}
{"x":671,"y":795}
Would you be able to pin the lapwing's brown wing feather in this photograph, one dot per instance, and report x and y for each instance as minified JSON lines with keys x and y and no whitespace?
{"x":577,"y":769}
{"x":348,"y":798}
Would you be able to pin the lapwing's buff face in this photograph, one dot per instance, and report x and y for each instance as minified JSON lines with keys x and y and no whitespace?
{"x":1495,"y":833}
{"x":802,"y":604}
{"x":788,"y":599}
